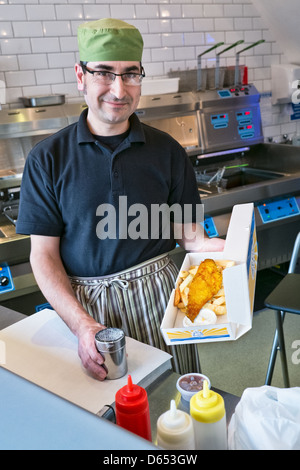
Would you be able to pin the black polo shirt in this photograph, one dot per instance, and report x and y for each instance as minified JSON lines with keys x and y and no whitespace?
{"x":99,"y":200}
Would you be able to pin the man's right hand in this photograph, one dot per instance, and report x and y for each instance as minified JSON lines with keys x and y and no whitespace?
{"x":90,"y":357}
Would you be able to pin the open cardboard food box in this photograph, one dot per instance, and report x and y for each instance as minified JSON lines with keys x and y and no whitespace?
{"x":239,"y":286}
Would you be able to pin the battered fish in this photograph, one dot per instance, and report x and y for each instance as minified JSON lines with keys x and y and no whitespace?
{"x":206,"y":283}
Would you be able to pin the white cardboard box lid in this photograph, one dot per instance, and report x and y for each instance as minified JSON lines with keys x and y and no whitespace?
{"x":237,"y":246}
{"x":239,"y":232}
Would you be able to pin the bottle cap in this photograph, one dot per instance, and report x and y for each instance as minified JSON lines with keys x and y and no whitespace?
{"x":174,"y":426}
{"x":207,"y":406}
{"x":173,"y":418}
{"x":131,"y":398}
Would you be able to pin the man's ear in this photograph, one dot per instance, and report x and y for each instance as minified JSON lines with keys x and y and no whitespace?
{"x":79,"y":75}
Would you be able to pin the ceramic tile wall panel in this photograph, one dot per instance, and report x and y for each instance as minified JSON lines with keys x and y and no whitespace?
{"x":38,"y":44}
{"x":40,"y":12}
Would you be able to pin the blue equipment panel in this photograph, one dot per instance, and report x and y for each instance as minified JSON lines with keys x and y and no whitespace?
{"x":219,"y":121}
{"x":278,"y":209}
{"x":224,"y":93}
{"x":40,"y":307}
{"x":6,"y":280}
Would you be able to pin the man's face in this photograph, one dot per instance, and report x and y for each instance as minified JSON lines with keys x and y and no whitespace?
{"x":110,"y":105}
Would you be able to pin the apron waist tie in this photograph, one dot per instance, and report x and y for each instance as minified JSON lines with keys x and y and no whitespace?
{"x":93,"y":292}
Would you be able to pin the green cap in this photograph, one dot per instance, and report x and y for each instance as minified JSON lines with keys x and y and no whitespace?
{"x":109,"y":40}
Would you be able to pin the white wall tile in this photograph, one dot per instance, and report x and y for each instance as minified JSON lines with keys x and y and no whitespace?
{"x":33,"y":61}
{"x":155,"y":40}
{"x":13,"y":96}
{"x":183,"y":25}
{"x":69,"y":12}
{"x":162,"y":54}
{"x":40,"y":12}
{"x":9,"y":62}
{"x":49,"y":76}
{"x":172,"y":39}
{"x":94,"y":12}
{"x":68,"y":44}
{"x":242,"y":23}
{"x":146,"y":11}
{"x":36,"y":90}
{"x":17,"y":79}
{"x":233,"y":36}
{"x":15,"y":46}
{"x":194,"y":39}
{"x":224,"y":24}
{"x":63,"y":59}
{"x":6,"y":29}
{"x":170,"y":11}
{"x":69,"y":74}
{"x":122,"y":11}
{"x":184,"y":53}
{"x":232,"y":11}
{"x":12,"y":13}
{"x":213,"y":11}
{"x":203,"y":24}
{"x":192,"y":11}
{"x":154,"y":69}
{"x":45,"y":45}
{"x":29,"y":29}
{"x":68,"y":89}
{"x":160,"y":26}
{"x":57,"y":28}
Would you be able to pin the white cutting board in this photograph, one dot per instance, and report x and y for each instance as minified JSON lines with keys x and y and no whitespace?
{"x":42,"y":349}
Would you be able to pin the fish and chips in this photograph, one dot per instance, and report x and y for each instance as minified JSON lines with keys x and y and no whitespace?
{"x":201,"y":288}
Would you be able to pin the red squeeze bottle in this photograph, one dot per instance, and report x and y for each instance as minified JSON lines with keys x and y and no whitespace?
{"x":132,"y":409}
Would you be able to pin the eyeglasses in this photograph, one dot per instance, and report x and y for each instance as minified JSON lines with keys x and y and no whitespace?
{"x":107,"y":78}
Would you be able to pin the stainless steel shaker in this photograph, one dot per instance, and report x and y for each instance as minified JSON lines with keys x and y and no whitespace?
{"x":110,"y":342}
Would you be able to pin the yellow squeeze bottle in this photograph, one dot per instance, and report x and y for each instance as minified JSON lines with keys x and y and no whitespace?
{"x":207,"y":410}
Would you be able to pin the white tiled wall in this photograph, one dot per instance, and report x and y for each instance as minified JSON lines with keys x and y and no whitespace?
{"x":38,"y":43}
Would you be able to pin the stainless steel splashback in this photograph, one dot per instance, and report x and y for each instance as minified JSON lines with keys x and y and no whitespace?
{"x":21,"y":129}
{"x":153,"y":107}
{"x":29,"y":121}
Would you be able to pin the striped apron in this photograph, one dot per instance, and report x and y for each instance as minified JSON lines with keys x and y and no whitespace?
{"x":135,"y":300}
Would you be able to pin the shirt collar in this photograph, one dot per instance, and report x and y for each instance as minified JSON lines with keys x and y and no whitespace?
{"x":136,"y":133}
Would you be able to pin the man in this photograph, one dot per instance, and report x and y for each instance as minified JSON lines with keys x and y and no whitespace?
{"x":79,"y":193}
